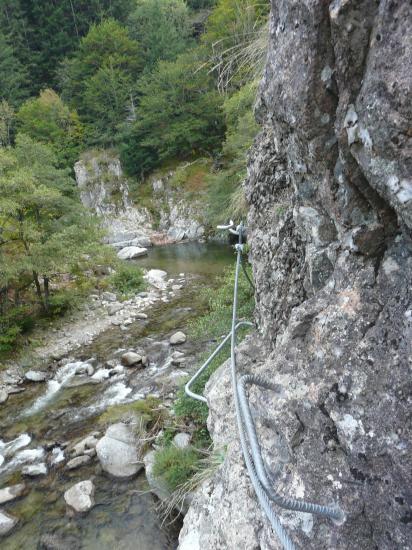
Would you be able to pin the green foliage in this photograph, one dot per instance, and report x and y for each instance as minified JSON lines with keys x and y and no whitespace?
{"x":48,"y":120}
{"x":225,"y":196}
{"x":214,"y":324}
{"x":191,"y":176}
{"x":148,"y":410}
{"x":128,"y":279}
{"x":162,"y":29}
{"x":179,"y":116}
{"x":43,"y":33}
{"x":7,"y":116}
{"x":236,"y":41}
{"x":14,"y":322}
{"x":175,"y":466}
{"x":44,"y":230}
{"x":99,"y":79}
{"x":200,"y":4}
{"x":13,"y":75}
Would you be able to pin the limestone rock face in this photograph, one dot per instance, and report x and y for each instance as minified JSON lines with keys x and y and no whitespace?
{"x":329,"y":229}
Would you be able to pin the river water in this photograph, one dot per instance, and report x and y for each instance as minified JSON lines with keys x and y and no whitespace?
{"x":61,"y":411}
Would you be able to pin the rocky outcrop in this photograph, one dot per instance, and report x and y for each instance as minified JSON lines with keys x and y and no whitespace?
{"x":167,"y":216}
{"x":329,"y":188}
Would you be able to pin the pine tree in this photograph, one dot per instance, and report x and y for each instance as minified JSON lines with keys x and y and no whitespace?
{"x":13,"y":75}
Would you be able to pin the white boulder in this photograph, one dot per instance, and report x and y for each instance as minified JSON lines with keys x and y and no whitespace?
{"x":178,"y":338}
{"x":117,"y":451}
{"x":157,"y":278}
{"x":130,"y":252}
{"x":7,"y":522}
{"x":80,"y":496}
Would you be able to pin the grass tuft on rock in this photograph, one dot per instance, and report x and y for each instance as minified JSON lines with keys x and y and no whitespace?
{"x":175,"y":466}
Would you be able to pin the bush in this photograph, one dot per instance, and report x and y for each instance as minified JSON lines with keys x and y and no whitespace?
{"x":128,"y":279}
{"x":8,"y":338}
{"x":175,"y":466}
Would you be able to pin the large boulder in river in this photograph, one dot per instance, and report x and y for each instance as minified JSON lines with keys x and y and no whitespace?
{"x":178,"y":338}
{"x":80,"y":496}
{"x":10,"y":493}
{"x":131,"y":359}
{"x":35,"y":376}
{"x":7,"y":522}
{"x":130,"y":252}
{"x":117,"y":451}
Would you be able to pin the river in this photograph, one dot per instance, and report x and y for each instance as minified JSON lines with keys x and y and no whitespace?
{"x":55,"y":413}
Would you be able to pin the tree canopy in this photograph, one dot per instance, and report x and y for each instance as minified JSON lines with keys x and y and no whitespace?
{"x":48,"y":120}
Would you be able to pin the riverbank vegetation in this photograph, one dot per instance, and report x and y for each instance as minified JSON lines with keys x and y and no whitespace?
{"x":183,"y":469}
{"x":160,"y":82}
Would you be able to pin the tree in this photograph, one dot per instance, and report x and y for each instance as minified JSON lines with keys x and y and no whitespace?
{"x":48,"y":120}
{"x":43,"y":33}
{"x":162,"y":29}
{"x":44,"y":230}
{"x":13,"y":76}
{"x":99,"y":80}
{"x":7,"y":116}
{"x":179,"y":115}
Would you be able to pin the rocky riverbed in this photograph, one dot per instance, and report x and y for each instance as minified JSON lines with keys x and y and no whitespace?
{"x":71,"y":471}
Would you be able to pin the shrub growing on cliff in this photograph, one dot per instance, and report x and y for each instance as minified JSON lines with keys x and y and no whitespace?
{"x":175,"y":466}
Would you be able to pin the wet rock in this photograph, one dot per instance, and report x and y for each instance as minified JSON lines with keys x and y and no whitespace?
{"x":82,"y":446}
{"x":34,"y":470}
{"x":10,"y":493}
{"x":10,"y":448}
{"x":157,"y":278}
{"x":35,"y":376}
{"x":78,"y":461}
{"x":57,"y":456}
{"x":177,"y":338}
{"x":181,"y":440}
{"x":130,"y":252}
{"x":178,"y":358}
{"x":3,"y":395}
{"x":117,"y":451}
{"x":54,"y":542}
{"x":7,"y":522}
{"x":131,"y":359}
{"x":80,"y":496}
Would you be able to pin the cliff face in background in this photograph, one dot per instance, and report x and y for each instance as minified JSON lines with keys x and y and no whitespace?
{"x":330,"y":223}
{"x":166,"y":216}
